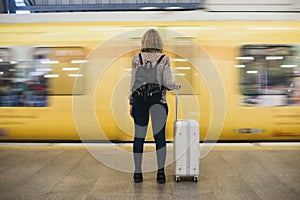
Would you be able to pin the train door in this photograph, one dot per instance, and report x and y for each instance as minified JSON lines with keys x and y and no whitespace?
{"x":22,"y":90}
{"x":36,"y":86}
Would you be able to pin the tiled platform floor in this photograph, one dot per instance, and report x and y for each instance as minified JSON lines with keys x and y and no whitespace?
{"x":226,"y":173}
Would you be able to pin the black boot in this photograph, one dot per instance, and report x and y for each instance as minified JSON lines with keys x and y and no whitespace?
{"x":161,"y":177}
{"x":138,"y":177}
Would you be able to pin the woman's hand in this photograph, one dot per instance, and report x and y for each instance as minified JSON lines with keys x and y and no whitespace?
{"x":130,"y":111}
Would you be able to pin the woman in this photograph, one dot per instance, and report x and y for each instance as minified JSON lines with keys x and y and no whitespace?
{"x":140,"y":109}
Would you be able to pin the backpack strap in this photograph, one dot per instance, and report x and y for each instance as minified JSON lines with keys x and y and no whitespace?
{"x":162,"y":76}
{"x":141,"y":59}
{"x":160,"y":59}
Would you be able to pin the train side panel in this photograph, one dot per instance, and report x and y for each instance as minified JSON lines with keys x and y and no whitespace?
{"x":222,"y":42}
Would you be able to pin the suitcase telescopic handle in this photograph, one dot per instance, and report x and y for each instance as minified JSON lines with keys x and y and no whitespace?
{"x":176,"y":105}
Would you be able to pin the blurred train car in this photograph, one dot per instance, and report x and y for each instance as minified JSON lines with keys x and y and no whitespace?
{"x":65,"y":76}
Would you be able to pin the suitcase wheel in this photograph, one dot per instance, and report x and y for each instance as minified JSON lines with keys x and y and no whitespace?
{"x":195,"y":178}
{"x":177,"y":179}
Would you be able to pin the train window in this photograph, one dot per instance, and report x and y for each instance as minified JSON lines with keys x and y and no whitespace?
{"x":61,"y":66}
{"x":28,"y":75}
{"x":269,"y":74}
{"x":18,"y":87}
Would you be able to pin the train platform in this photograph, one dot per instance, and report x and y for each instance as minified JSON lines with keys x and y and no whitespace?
{"x":229,"y":171}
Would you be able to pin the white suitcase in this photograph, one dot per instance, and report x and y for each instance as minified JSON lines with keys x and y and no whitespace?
{"x":186,"y":147}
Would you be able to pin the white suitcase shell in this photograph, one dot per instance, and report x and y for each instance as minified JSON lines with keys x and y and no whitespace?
{"x":186,"y":147}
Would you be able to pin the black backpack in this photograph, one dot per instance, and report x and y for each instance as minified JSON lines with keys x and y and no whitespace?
{"x":146,"y":85}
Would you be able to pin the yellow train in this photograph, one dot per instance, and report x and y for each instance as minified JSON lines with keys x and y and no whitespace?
{"x":65,"y":76}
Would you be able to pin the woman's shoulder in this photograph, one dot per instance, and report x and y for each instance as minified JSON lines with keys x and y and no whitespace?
{"x":136,"y":56}
{"x":135,"y":60}
{"x":153,"y":56}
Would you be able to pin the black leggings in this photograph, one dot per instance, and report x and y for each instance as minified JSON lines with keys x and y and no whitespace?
{"x":159,"y":112}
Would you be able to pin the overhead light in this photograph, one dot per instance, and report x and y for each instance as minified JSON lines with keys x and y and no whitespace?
{"x":1,"y":73}
{"x":274,"y":57}
{"x":179,"y":74}
{"x":20,"y":3}
{"x":36,"y":73}
{"x":51,"y":76}
{"x":13,"y":62}
{"x":79,"y":61}
{"x":75,"y":75}
{"x":51,"y":62}
{"x":288,"y":66}
{"x":183,"y":68}
{"x":1,"y":60}
{"x":245,"y":58}
{"x":23,"y":12}
{"x":252,"y":72}
{"x":174,"y":8}
{"x":180,"y":60}
{"x":70,"y":69}
{"x":240,"y":66}
{"x":149,"y":8}
{"x":43,"y":69}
